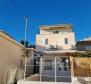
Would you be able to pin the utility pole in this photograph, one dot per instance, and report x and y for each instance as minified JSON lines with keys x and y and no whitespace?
{"x":26,"y":27}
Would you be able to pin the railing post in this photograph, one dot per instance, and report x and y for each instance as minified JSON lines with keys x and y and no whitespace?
{"x":25,"y":67}
{"x":41,"y":68}
{"x":55,"y":69}
{"x":72,"y":69}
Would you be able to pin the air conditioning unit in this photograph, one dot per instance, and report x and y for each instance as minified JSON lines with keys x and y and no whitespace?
{"x":51,"y":47}
{"x":73,"y":47}
{"x":57,"y":47}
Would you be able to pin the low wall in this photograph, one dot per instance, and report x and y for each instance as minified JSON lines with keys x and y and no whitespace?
{"x":82,"y":66}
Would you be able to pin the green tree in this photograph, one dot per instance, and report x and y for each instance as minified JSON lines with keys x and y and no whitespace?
{"x":25,"y":43}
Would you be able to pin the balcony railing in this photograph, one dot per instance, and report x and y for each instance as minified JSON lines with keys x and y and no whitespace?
{"x":51,"y":71}
{"x":57,"y":47}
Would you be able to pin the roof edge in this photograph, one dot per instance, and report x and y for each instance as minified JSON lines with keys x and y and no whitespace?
{"x":10,"y":38}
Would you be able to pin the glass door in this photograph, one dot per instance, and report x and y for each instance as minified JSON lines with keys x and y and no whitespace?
{"x":56,"y":69}
{"x":48,"y":69}
{"x":63,"y":69}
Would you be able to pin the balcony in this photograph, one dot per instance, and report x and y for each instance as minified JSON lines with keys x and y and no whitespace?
{"x":54,"y":48}
{"x":57,"y":48}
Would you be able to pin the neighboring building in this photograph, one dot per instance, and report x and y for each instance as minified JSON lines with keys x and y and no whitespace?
{"x":11,"y":58}
{"x":84,"y":45}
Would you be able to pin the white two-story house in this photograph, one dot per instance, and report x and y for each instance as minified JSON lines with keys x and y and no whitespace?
{"x":53,"y":41}
{"x":55,"y":65}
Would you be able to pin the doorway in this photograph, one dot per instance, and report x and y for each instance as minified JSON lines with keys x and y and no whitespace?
{"x":63,"y":69}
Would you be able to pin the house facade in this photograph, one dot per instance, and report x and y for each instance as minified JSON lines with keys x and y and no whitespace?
{"x":53,"y":42}
{"x":61,"y":37}
{"x":55,"y":65}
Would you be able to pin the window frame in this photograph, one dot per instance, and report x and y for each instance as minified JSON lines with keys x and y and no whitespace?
{"x":46,"y":41}
{"x":66,"y":41}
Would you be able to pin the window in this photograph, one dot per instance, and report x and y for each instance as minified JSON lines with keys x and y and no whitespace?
{"x":55,"y":32}
{"x":48,"y":65}
{"x":66,"y":40}
{"x":44,"y":41}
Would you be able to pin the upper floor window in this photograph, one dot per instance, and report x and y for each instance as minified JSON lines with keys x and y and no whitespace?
{"x":44,"y":41}
{"x":66,"y":40}
{"x":55,"y":32}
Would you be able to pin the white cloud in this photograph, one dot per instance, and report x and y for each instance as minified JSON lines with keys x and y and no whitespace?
{"x":87,"y":39}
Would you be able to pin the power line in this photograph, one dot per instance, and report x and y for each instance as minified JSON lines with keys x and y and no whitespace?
{"x":17,"y":7}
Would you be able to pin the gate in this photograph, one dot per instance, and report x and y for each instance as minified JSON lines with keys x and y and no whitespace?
{"x":56,"y":69}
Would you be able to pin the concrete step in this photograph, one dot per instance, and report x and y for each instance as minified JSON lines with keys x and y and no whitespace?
{"x":38,"y":82}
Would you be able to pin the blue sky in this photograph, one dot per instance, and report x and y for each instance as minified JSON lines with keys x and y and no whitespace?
{"x":45,"y":12}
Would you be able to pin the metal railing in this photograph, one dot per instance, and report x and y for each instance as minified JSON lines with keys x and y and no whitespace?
{"x":50,"y":74}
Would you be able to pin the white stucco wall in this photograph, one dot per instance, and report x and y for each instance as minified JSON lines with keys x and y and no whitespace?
{"x":10,"y":55}
{"x":55,"y":39}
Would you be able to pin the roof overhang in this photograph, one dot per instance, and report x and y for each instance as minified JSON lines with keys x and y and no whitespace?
{"x":61,"y":53}
{"x":84,"y":42}
{"x":56,"y":27}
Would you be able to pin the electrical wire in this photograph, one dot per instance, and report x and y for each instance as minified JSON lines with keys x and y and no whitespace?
{"x":17,"y":7}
